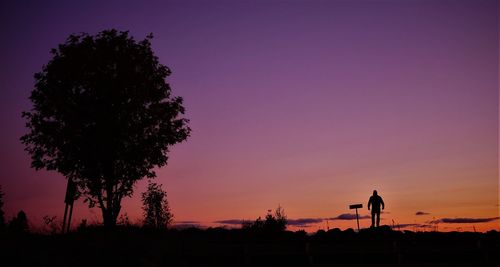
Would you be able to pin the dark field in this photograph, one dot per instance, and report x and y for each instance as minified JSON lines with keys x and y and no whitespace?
{"x":221,"y":247}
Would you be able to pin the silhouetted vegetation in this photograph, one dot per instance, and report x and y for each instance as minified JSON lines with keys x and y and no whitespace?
{"x":272,"y":223}
{"x":136,"y":246}
{"x":157,"y":212}
{"x":82,"y":226}
{"x":104,"y":116}
{"x":52,"y":224}
{"x":19,"y":224}
{"x":124,"y":220}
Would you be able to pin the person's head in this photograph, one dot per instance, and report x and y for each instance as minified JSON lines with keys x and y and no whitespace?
{"x":375,"y":192}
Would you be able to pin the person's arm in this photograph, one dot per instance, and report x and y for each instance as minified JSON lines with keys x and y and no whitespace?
{"x":382,"y":201}
{"x":369,"y":203}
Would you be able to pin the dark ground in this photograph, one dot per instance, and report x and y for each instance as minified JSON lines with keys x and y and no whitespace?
{"x":130,"y":246}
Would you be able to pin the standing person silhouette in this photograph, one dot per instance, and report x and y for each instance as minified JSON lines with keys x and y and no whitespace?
{"x":375,"y":201}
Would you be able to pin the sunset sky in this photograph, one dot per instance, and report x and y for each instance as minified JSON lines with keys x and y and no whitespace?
{"x":310,"y":105}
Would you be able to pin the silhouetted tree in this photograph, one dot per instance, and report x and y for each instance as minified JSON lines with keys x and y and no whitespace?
{"x":2,"y":213}
{"x":19,"y":223}
{"x":272,"y":222}
{"x":276,"y":221}
{"x":249,"y":225}
{"x":155,"y":206}
{"x":103,"y":115}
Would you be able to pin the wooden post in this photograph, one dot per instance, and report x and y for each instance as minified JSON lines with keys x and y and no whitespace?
{"x":69,"y":199}
{"x":357,"y":217}
{"x":69,"y":217}
{"x":64,"y":220}
{"x":356,"y":207}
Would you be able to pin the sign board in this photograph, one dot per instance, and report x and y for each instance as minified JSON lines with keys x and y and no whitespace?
{"x":355,"y":206}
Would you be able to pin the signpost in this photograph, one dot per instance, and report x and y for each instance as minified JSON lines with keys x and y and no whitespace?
{"x":356,"y":207}
{"x":69,"y":200}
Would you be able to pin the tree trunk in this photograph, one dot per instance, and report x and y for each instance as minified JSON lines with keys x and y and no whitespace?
{"x":109,"y":219}
{"x":111,"y":211}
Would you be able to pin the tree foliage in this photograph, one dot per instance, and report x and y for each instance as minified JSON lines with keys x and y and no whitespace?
{"x":272,"y":222}
{"x":52,"y":224}
{"x":157,"y":212}
{"x":104,"y":116}
{"x":19,"y":223}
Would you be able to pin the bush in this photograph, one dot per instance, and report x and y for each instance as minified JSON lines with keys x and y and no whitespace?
{"x":155,"y":206}
{"x":19,"y":223}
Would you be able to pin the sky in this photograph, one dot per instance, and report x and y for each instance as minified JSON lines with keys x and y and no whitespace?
{"x":310,"y":105}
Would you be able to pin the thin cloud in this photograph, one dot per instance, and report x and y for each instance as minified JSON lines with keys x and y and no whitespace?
{"x":231,"y":221}
{"x":464,"y":220}
{"x":186,"y":222}
{"x":304,"y":222}
{"x":349,"y":216}
{"x":419,"y":213}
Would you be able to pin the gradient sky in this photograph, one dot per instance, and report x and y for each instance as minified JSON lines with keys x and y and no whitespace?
{"x":306,"y":104}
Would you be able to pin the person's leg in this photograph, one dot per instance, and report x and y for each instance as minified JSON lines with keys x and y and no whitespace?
{"x":373,"y":219}
{"x":378,"y":219}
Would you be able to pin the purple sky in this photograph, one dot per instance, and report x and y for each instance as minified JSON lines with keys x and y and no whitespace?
{"x":307,"y":104}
